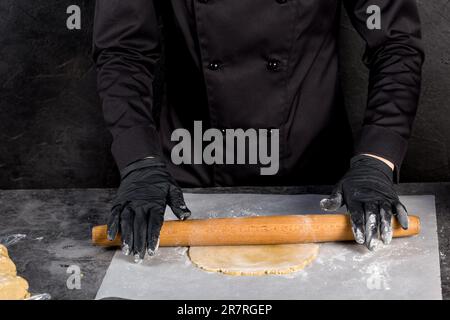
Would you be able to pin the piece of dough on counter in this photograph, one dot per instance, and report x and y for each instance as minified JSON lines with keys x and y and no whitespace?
{"x":3,"y":251}
{"x":254,"y":260}
{"x":13,"y":288}
{"x":7,"y":266}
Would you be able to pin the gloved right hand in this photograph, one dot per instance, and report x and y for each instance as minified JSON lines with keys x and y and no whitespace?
{"x":138,"y":209}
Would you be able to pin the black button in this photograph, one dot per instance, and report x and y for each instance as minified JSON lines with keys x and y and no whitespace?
{"x":214,"y":65}
{"x":273,"y":65}
{"x":279,"y":1}
{"x":203,"y":1}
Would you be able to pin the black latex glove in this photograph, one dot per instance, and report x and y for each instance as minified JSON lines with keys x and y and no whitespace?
{"x":138,"y":208}
{"x":368,"y":192}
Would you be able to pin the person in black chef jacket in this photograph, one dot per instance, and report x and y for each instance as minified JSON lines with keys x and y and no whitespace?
{"x":262,"y":64}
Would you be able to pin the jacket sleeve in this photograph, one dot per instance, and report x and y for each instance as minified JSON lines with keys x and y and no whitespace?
{"x":394,"y":56}
{"x":126,"y":50}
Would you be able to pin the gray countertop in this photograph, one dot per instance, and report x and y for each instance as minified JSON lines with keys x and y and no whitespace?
{"x":57,"y":226}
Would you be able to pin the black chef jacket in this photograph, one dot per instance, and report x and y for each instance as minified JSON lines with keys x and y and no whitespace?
{"x":260,"y":64}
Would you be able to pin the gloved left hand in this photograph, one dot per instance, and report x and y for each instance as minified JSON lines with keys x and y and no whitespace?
{"x":368,"y":192}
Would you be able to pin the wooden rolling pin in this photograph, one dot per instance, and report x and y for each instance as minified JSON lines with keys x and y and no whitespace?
{"x":256,"y":230}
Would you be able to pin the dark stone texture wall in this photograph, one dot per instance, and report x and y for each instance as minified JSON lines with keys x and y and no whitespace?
{"x":428,"y":157}
{"x":51,"y":127}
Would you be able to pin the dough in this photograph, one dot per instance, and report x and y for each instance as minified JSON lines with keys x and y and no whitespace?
{"x":3,"y":251}
{"x":7,"y":266}
{"x":13,"y":288}
{"x":254,"y":260}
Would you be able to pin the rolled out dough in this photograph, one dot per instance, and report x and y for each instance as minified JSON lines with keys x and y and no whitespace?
{"x":254,"y":260}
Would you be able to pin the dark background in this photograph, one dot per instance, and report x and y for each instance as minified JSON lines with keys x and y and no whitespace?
{"x":51,"y":127}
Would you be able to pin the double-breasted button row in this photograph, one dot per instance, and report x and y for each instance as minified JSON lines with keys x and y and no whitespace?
{"x":272,"y":65}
